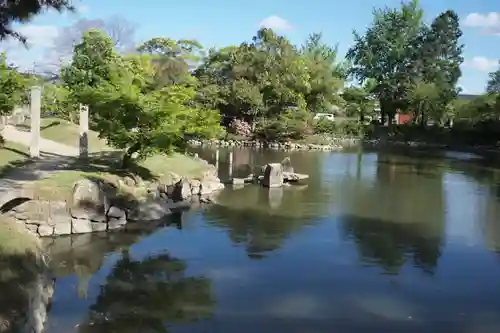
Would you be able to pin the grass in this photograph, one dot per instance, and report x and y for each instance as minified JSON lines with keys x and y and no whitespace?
{"x":15,"y":240}
{"x":104,"y":168}
{"x":12,"y":155}
{"x":67,"y":133}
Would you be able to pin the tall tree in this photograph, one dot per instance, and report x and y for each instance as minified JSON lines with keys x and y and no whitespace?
{"x":11,"y":86}
{"x":327,"y":74}
{"x":384,"y":51}
{"x":493,"y":85}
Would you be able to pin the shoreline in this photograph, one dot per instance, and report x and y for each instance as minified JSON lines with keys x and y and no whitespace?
{"x":340,"y":144}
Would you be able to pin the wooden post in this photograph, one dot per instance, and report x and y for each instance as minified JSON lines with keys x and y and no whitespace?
{"x":35,"y":104}
{"x":84,"y":131}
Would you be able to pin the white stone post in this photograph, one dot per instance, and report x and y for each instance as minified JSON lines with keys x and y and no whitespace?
{"x":35,"y":104}
{"x":230,"y":164}
{"x":217,"y":159}
{"x":84,"y":131}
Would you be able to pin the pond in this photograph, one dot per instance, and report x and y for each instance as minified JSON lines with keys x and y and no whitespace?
{"x":373,"y":241}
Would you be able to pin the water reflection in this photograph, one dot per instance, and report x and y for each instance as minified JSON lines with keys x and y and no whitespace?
{"x":375,"y":242}
{"x":148,"y":295}
{"x":390,"y":244}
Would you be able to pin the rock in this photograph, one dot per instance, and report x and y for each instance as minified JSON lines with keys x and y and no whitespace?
{"x":116,"y":224}
{"x":209,"y":186}
{"x":129,"y":181}
{"x":195,"y":186}
{"x":62,"y":228}
{"x":99,"y":226}
{"x":238,"y":181}
{"x":45,"y":230}
{"x":286,"y":164}
{"x":294,"y":177}
{"x":81,"y":226}
{"x":89,"y":201}
{"x":273,"y":176}
{"x":115,"y":213}
{"x":182,"y":190}
{"x":149,"y":211}
{"x":32,"y":227}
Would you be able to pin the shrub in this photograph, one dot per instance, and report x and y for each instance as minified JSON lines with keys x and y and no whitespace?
{"x":240,"y":128}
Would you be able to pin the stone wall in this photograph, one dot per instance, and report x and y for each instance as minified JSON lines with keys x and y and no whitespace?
{"x":92,"y":209}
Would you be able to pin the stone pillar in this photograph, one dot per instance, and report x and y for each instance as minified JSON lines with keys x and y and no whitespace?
{"x":84,"y":131}
{"x":217,"y":159}
{"x":230,"y":164}
{"x":273,"y":175}
{"x":35,"y":104}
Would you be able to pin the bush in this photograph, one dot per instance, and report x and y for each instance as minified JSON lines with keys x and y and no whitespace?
{"x":2,"y":140}
{"x":240,"y":128}
{"x":291,"y":125}
{"x":344,"y":128}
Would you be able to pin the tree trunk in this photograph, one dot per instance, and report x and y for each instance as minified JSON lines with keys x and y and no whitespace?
{"x":127,"y":158}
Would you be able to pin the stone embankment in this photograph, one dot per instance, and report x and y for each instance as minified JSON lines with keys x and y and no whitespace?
{"x":95,"y":205}
{"x":334,"y":144}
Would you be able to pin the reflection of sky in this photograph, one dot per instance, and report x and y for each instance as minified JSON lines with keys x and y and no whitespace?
{"x":336,"y":166}
{"x":463,"y":209}
{"x":316,"y":283}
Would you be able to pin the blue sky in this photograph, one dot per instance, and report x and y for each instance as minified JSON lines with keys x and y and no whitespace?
{"x":223,"y":22}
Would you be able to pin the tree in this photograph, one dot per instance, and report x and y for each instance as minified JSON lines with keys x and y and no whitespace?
{"x":92,"y":62}
{"x":58,"y":99}
{"x":128,"y":108}
{"x":360,"y":101}
{"x":326,"y":74}
{"x":263,"y":78}
{"x":383,"y":54}
{"x":12,"y":86}
{"x":423,"y":99}
{"x":23,"y":11}
{"x":120,"y":30}
{"x":493,"y":85}
{"x":172,"y":59}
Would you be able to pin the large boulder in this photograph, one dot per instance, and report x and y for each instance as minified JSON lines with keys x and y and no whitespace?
{"x":150,"y":211}
{"x":273,"y":175}
{"x":89,"y":201}
{"x":182,"y":190}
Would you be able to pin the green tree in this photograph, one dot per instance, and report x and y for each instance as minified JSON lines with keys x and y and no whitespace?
{"x":422,"y":100}
{"x":128,"y":108}
{"x":493,"y":85}
{"x":359,"y":101}
{"x":384,"y":52}
{"x":326,"y":73}
{"x":58,"y":99}
{"x":12,"y":86}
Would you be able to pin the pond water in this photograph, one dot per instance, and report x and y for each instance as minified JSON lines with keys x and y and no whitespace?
{"x":378,"y":242}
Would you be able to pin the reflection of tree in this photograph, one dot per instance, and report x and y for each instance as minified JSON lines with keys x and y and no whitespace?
{"x":400,"y":215}
{"x":389,"y":244}
{"x":260,"y":230}
{"x":147,"y":295}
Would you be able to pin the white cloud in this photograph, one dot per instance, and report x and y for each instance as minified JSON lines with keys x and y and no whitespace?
{"x":482,"y":64}
{"x":39,"y":35}
{"x":82,"y":9}
{"x":489,"y":22}
{"x":276,"y":23}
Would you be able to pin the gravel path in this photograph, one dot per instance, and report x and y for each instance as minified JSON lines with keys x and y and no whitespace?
{"x":54,"y":157}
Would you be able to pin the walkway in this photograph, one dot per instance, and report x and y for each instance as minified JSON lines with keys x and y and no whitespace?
{"x":53,"y":157}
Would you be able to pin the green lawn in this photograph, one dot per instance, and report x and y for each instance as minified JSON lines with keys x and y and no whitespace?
{"x":12,"y":155}
{"x":67,"y":133}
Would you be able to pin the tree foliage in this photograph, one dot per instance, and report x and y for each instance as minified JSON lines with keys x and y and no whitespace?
{"x":401,"y":53}
{"x":130,"y":109}
{"x":12,"y":86}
